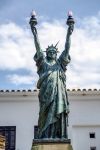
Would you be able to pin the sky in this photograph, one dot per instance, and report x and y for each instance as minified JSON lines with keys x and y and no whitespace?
{"x":17,"y":67}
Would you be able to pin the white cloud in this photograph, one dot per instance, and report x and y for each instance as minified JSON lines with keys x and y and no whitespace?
{"x":19,"y":79}
{"x":17,"y":49}
{"x":84,"y":69}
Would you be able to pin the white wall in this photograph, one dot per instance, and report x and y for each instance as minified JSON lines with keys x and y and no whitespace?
{"x":21,"y":109}
{"x":81,"y":139}
{"x":21,"y":112}
{"x":84,"y":118}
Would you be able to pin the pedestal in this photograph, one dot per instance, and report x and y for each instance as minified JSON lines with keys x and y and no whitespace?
{"x":51,"y":144}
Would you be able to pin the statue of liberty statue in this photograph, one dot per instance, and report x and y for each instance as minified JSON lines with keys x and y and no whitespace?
{"x":53,"y":100}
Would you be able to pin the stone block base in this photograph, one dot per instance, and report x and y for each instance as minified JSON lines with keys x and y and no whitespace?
{"x":51,"y":145}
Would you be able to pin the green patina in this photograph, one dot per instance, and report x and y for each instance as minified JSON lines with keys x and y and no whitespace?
{"x":53,"y":100}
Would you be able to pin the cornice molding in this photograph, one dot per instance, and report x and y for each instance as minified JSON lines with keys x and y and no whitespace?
{"x":34,"y":93}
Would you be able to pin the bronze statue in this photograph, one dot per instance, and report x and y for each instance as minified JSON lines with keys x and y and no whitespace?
{"x":53,"y":100}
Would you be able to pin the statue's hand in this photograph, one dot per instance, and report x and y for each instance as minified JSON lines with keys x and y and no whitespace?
{"x":70,"y":29}
{"x":33,"y":28}
{"x":33,"y":22}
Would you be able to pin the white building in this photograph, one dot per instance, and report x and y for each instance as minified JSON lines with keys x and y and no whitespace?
{"x":19,"y":114}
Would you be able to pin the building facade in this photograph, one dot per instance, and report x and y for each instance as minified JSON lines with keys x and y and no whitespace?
{"x":19,"y":116}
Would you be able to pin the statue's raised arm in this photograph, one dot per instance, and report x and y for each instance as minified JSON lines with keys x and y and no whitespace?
{"x":33,"y":22}
{"x":39,"y":56}
{"x":65,"y":57}
{"x":68,"y":39}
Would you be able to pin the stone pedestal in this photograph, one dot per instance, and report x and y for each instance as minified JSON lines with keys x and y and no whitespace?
{"x":51,"y":144}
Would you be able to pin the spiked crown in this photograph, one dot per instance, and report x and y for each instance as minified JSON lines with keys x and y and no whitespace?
{"x":52,"y":47}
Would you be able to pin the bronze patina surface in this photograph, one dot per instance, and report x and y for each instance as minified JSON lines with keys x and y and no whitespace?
{"x":53,"y":100}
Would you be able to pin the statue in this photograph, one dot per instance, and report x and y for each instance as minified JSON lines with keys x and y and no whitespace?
{"x":53,"y":100}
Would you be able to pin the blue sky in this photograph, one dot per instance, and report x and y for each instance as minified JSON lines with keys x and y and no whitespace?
{"x":17,"y":68}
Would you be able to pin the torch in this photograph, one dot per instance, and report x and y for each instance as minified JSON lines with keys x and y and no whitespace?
{"x":33,"y":19}
{"x":70,"y":20}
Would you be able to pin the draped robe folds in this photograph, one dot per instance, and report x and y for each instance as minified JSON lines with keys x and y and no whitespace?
{"x":53,"y":99}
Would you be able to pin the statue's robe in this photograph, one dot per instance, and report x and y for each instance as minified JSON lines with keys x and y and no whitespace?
{"x":53,"y":99}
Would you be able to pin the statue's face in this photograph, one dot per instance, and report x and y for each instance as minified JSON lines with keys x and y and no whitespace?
{"x":52,"y":54}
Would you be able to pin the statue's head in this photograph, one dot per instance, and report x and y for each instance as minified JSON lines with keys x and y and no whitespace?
{"x":51,"y":52}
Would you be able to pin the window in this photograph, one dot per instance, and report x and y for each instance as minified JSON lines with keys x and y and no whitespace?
{"x":10,"y":133}
{"x":35,"y":132}
{"x":92,"y":148}
{"x":92,"y":135}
